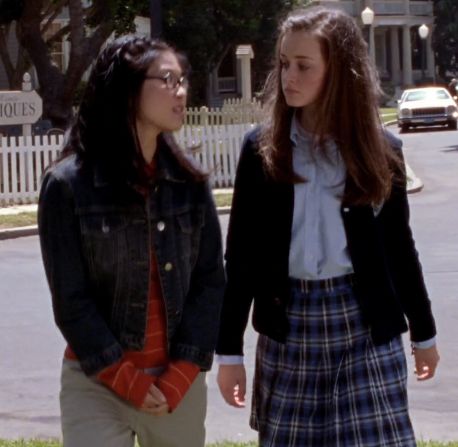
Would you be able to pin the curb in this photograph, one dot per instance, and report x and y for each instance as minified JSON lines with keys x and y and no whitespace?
{"x":13,"y":233}
{"x":391,"y":123}
{"x":414,"y":183}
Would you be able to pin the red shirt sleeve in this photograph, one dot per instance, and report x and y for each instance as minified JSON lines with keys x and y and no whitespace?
{"x":176,"y":380}
{"x":127,"y":381}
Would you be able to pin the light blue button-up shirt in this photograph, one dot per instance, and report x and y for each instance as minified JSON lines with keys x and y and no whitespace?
{"x":318,"y":247}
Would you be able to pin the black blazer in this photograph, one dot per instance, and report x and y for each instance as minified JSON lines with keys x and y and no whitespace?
{"x":389,"y":281}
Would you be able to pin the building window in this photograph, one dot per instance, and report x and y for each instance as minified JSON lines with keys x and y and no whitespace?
{"x":417,"y":49}
{"x":56,"y":49}
{"x":227,"y":74}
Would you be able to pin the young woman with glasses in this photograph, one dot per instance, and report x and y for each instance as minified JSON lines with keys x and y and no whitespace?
{"x":131,"y":245}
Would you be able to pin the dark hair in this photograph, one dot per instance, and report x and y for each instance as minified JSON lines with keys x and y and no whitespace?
{"x":347,"y":108}
{"x":104,"y":131}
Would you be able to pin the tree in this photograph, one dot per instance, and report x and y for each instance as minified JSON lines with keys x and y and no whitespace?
{"x":15,"y":66}
{"x":207,"y":29}
{"x":445,"y":37}
{"x":89,"y":26}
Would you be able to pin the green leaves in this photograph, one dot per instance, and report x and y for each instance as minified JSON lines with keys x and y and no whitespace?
{"x":207,"y":29}
{"x":10,"y":10}
{"x":445,"y":37}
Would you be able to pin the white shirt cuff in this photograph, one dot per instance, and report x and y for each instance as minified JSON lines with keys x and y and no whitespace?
{"x":229,"y":359}
{"x":424,"y":344}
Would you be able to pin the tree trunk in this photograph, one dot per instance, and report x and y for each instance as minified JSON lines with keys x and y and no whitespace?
{"x":56,"y":88}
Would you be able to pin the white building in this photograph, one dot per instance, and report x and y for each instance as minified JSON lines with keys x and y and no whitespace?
{"x":397,"y":46}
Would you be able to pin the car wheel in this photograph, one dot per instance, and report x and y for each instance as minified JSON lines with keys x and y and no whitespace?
{"x":404,"y":128}
{"x":452,"y":125}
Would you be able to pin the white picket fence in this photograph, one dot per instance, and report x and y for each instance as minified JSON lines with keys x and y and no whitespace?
{"x":233,"y":111}
{"x":216,"y":148}
{"x":24,"y":159}
{"x":22,"y":163}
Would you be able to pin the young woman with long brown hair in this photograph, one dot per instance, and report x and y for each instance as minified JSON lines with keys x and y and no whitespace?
{"x":319,"y":239}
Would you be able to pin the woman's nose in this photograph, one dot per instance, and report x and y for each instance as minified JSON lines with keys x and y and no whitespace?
{"x":289,"y":76}
{"x":181,"y":91}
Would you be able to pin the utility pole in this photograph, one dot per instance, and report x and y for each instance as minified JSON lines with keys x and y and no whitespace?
{"x":155,"y":14}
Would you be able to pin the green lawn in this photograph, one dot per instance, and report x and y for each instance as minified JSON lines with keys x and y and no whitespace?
{"x":223,"y":199}
{"x":388,"y":114}
{"x":18,"y":220}
{"x":33,"y":443}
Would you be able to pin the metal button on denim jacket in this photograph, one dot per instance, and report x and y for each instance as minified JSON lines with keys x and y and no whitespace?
{"x":114,"y":234}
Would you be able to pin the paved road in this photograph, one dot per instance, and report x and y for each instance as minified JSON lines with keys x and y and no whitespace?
{"x":31,"y":348}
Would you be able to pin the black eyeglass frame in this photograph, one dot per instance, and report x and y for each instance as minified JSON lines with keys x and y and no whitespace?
{"x":171,"y":81}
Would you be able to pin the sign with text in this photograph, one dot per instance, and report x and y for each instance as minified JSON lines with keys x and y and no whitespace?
{"x":18,"y":107}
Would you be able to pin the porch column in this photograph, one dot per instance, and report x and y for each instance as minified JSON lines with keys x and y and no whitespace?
{"x":395,"y":56}
{"x":245,"y":54}
{"x":406,"y":56}
{"x":372,"y":45}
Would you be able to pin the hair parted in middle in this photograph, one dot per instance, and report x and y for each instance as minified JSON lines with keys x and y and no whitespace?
{"x":347,"y":108}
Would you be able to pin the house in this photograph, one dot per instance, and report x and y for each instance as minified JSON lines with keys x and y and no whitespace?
{"x":401,"y":56}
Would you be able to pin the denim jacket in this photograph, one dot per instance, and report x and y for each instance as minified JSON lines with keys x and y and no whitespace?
{"x":97,"y":240}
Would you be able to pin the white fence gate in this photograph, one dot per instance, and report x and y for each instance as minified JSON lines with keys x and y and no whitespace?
{"x":22,"y":163}
{"x":24,"y":159}
{"x":218,"y":149}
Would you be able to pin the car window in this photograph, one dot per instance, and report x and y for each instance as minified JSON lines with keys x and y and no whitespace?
{"x":441,"y":94}
{"x":415,"y":96}
{"x":421,"y":95}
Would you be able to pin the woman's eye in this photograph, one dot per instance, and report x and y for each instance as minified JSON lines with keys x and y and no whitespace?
{"x":303,"y":67}
{"x":284,"y":64}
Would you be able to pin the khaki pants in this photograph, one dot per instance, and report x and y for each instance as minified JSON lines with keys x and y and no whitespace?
{"x":93,"y":416}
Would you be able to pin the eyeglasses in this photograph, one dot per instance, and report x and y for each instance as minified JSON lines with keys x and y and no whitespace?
{"x":171,"y":80}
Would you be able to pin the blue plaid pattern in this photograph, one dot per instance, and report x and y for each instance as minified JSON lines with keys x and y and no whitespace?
{"x":329,"y":385}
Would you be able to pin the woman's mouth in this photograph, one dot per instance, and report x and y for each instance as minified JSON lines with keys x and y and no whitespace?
{"x":179,"y":110}
{"x":290,"y":91}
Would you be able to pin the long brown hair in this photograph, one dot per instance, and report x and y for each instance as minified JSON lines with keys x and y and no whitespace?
{"x":347,"y":109}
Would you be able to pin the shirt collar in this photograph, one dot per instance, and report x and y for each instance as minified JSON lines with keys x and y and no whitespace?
{"x":303,"y":142}
{"x":298,"y":133}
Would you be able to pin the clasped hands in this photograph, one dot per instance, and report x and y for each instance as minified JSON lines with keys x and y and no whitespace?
{"x":155,"y":402}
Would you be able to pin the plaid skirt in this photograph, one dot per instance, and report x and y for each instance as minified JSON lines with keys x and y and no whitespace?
{"x":329,"y":385}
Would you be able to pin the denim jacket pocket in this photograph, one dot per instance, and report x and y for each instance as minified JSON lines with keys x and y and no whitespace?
{"x":189,"y":222}
{"x":190,"y":225}
{"x":105,"y":242}
{"x":188,"y":234}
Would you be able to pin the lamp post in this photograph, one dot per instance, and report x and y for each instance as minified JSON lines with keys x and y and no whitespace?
{"x":423,"y":31}
{"x":367,"y":16}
